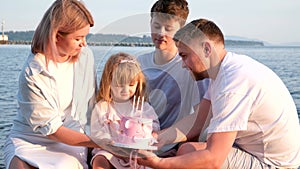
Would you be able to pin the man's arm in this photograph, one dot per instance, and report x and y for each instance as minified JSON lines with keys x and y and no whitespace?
{"x":213,"y":156}
{"x":186,"y":128}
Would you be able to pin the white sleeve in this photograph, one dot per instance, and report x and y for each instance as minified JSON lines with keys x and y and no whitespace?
{"x":99,"y":125}
{"x":207,"y":94}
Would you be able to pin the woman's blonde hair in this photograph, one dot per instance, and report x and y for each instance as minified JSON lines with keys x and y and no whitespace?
{"x":121,"y":68}
{"x":64,"y":17}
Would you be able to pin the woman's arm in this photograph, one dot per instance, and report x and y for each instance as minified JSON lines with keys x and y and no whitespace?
{"x":71,"y":137}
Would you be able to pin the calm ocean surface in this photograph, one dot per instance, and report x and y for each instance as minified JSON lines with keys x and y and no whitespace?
{"x":285,"y":61}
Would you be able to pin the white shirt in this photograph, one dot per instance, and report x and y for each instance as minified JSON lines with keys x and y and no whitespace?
{"x":63,"y":74}
{"x":39,"y":108}
{"x":250,"y":98}
{"x":40,"y":112}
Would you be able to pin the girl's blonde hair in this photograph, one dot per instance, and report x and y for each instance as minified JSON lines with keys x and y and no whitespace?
{"x":64,"y":17}
{"x":121,"y":68}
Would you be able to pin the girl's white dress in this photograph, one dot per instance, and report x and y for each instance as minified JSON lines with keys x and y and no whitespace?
{"x":105,"y":121}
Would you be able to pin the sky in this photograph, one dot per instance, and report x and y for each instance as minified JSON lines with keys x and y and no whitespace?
{"x":272,"y":21}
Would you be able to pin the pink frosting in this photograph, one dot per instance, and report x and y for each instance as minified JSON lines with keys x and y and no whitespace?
{"x":135,"y":130}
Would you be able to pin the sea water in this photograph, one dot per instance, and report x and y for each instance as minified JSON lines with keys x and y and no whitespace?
{"x":285,"y":61}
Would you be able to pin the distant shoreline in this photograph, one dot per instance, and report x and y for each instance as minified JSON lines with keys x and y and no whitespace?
{"x":126,"y":44}
{"x":24,"y":37}
{"x":137,"y":44}
{"x":99,"y":39}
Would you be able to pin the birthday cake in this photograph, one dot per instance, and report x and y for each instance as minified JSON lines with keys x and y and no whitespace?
{"x":136,"y":133}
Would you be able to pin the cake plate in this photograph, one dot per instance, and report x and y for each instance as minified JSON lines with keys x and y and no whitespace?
{"x":134,"y":146}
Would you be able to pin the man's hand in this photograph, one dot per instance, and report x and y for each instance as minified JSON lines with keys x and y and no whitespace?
{"x":148,"y":158}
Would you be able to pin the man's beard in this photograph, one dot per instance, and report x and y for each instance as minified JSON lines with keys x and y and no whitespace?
{"x":199,"y":75}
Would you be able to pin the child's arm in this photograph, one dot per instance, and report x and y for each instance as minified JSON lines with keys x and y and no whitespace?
{"x":99,"y":125}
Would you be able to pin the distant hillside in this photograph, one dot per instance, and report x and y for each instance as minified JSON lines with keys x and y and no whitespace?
{"x":19,"y":36}
{"x":117,"y":39}
{"x":243,"y":43}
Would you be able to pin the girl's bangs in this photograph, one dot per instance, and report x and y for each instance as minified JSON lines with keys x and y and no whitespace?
{"x":125,"y":74}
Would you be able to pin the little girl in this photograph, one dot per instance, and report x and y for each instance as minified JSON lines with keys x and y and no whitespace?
{"x":122,"y":79}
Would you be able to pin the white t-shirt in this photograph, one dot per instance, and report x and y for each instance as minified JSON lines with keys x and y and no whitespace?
{"x":173,"y":92}
{"x":250,"y":98}
{"x":63,"y":74}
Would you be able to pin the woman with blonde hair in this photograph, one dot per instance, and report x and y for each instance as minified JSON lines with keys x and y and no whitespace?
{"x":56,"y":93}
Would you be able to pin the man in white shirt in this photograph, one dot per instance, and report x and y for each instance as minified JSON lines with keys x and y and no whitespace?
{"x":254,"y":121}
